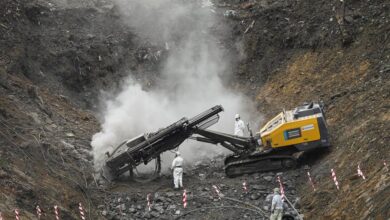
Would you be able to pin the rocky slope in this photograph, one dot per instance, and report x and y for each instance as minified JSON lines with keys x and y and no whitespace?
{"x":55,"y":59}
{"x":339,"y":53}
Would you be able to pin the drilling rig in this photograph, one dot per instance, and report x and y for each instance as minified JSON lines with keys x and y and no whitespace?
{"x":276,"y":146}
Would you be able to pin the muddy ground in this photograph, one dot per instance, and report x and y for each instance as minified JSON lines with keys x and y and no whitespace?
{"x":54,"y":60}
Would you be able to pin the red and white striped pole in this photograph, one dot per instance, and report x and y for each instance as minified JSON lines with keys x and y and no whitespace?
{"x":39,"y":211}
{"x":148,"y":200}
{"x":360,"y":173}
{"x":281,"y":188}
{"x":217,"y":191}
{"x":82,"y":213}
{"x":17,"y":214}
{"x":56,"y":212}
{"x":245,"y":186}
{"x":384,"y":163}
{"x":1,"y":216}
{"x":184,"y":198}
{"x":335,"y":179}
{"x":311,"y":181}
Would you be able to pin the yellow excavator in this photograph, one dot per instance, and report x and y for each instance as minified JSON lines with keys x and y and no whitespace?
{"x":276,"y":146}
{"x":282,"y":140}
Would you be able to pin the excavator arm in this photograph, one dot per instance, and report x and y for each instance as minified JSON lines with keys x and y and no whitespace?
{"x":239,"y":145}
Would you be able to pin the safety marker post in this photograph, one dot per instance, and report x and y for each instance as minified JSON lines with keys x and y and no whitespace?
{"x":335,"y":179}
{"x":217,"y":191}
{"x":1,"y":216}
{"x":184,"y":198}
{"x":17,"y":214}
{"x":148,"y":199}
{"x":311,"y":181}
{"x":281,"y":188}
{"x":56,"y":212}
{"x":384,"y":163}
{"x":360,"y":173}
{"x":82,"y":213}
{"x":245,"y":187}
{"x":39,"y":211}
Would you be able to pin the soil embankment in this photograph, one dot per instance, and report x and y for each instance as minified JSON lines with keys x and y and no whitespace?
{"x":55,"y":59}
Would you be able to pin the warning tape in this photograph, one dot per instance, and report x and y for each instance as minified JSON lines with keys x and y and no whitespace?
{"x":335,"y":179}
{"x":56,"y":212}
{"x":39,"y":211}
{"x":184,"y":198}
{"x":281,"y":188}
{"x":217,"y":191}
{"x":17,"y":214}
{"x":245,"y":187}
{"x":82,"y":213}
{"x":360,"y":173}
{"x":311,"y":181}
{"x":148,"y":199}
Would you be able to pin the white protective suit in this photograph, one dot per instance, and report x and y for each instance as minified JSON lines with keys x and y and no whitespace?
{"x":277,"y":207}
{"x":177,"y":167}
{"x":239,"y":127}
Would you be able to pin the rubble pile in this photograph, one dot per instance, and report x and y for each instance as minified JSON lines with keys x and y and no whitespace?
{"x":130,"y":202}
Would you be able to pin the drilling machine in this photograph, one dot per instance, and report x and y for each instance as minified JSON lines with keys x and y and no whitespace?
{"x":275,"y":147}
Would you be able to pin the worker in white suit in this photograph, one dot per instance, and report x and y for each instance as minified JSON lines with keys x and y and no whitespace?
{"x":239,"y":126}
{"x":177,"y":167}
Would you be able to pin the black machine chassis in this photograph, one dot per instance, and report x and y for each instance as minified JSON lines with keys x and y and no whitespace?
{"x":236,"y":165}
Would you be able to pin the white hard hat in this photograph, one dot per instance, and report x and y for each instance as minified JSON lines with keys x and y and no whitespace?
{"x":177,"y":153}
{"x":237,"y":116}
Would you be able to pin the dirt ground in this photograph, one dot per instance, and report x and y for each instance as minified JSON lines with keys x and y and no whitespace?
{"x":55,"y":60}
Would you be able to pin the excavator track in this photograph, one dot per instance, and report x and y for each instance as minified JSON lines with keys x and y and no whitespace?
{"x":236,"y":166}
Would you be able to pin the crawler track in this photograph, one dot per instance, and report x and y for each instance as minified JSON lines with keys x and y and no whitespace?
{"x":236,"y":166}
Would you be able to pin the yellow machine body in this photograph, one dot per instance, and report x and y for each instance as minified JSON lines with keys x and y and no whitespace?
{"x":303,"y":128}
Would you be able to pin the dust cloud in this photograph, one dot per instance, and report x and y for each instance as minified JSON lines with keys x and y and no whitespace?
{"x":191,"y":79}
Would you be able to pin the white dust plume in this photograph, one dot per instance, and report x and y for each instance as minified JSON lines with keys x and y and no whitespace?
{"x":191,"y":80}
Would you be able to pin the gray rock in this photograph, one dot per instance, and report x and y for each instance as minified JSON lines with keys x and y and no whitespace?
{"x":146,"y":215}
{"x":159,"y":209}
{"x":259,"y":187}
{"x":132,"y":210}
{"x":177,"y":212}
{"x":171,"y":207}
{"x":268,"y":178}
{"x":160,"y":199}
{"x":139,"y":207}
{"x":255,"y":197}
{"x":154,"y":214}
{"x":104,"y":213}
{"x":170,"y":194}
